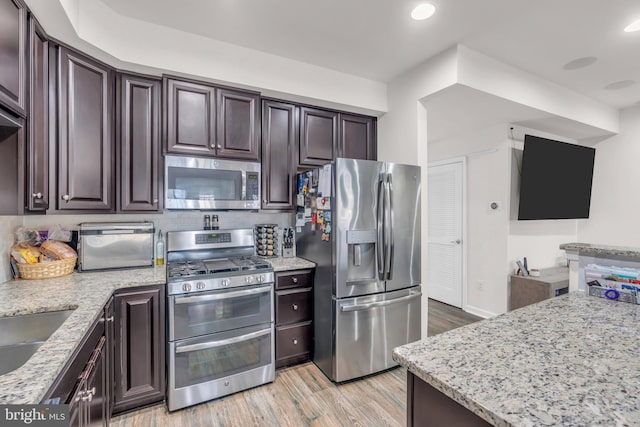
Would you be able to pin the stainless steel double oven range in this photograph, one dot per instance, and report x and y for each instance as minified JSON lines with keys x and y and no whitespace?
{"x":220,"y":316}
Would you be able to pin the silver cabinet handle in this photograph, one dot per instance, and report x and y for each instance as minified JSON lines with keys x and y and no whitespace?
{"x":294,"y":279}
{"x":65,"y":197}
{"x":357,"y":307}
{"x":219,"y":147}
{"x":213,"y":146}
{"x":108,"y":319}
{"x":37,"y":195}
{"x":221,"y":296}
{"x":295,"y":341}
{"x":220,"y":343}
{"x":295,"y":307}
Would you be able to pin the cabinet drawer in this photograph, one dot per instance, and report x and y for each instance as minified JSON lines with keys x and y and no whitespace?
{"x":294,"y":279}
{"x":293,"y":341}
{"x":293,"y":306}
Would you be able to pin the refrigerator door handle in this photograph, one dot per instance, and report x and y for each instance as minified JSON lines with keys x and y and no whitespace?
{"x":380,"y":242}
{"x":358,"y":307}
{"x":388,"y":222}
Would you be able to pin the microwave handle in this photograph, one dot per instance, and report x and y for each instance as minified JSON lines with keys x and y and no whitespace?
{"x":220,"y":343}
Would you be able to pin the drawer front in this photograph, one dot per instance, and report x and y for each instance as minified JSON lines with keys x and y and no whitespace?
{"x":294,"y":279}
{"x":294,"y":306}
{"x":293,"y":340}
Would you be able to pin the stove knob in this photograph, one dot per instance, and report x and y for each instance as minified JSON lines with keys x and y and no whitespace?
{"x":248,"y":279}
{"x":200,"y":285}
{"x":186,"y":287}
{"x":260,"y":278}
{"x":225,"y":282}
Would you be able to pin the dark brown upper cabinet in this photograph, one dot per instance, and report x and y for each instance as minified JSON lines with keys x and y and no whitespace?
{"x":318,"y":136}
{"x":279,"y":152}
{"x":13,"y":55}
{"x":190,"y":117}
{"x":139,"y":347}
{"x":138,"y":100}
{"x":86,"y":138}
{"x":238,"y":124}
{"x":357,"y":137}
{"x":37,"y":177}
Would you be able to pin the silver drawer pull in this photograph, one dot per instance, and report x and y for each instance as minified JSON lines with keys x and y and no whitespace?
{"x":295,"y":341}
{"x":295,"y":306}
{"x":294,"y":279}
{"x":220,"y":343}
{"x":224,"y":295}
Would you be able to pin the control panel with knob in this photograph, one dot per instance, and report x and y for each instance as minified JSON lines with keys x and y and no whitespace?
{"x":226,"y":282}
{"x":200,"y":286}
{"x":248,"y":279}
{"x":260,"y":278}
{"x":186,"y":287}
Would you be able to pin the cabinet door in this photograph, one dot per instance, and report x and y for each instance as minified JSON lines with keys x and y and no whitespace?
{"x":139,"y":142}
{"x":85,"y":143}
{"x":13,"y":51}
{"x":357,"y":137}
{"x":109,"y":354}
{"x":318,"y":136}
{"x":238,"y":125}
{"x":96,"y":389}
{"x":279,"y":143}
{"x":37,"y":185}
{"x":190,"y":117}
{"x":140,"y":348}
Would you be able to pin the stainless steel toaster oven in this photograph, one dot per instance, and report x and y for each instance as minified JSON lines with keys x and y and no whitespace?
{"x":115,"y":245}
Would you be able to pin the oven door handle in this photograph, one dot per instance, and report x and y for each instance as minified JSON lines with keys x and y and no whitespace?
{"x":220,"y":343}
{"x":222,"y":295}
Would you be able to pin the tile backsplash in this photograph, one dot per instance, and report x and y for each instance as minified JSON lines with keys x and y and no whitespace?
{"x":168,"y":221}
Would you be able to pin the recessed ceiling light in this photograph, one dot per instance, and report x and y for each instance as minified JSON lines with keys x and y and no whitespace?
{"x":579,"y":63}
{"x":620,"y":85}
{"x":634,"y":26}
{"x":423,"y":11}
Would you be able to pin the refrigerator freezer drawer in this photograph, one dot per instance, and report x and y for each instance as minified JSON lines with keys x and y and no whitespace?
{"x":367,"y":329}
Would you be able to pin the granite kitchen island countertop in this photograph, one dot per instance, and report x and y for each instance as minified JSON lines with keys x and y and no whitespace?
{"x":86,"y":294}
{"x":571,"y":361}
{"x":602,"y":251}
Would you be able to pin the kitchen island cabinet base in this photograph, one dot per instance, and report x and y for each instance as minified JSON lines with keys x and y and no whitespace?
{"x":427,"y":406}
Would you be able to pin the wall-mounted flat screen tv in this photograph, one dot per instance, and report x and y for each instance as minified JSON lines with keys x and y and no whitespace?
{"x":556,"y":179}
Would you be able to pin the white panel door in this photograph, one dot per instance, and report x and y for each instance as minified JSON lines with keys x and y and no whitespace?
{"x":445,"y":205}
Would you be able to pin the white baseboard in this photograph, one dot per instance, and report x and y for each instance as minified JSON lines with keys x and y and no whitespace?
{"x":479,"y":312}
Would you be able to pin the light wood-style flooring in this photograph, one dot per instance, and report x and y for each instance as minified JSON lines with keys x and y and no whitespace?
{"x":302,"y":396}
{"x":443,"y":317}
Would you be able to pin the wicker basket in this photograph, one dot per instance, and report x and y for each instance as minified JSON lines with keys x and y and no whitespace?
{"x":47,"y":270}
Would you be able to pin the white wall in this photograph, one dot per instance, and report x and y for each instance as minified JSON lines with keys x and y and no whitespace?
{"x":614,"y":217}
{"x":135,"y":45}
{"x":8,"y":225}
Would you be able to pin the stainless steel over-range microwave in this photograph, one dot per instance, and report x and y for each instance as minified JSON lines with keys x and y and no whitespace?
{"x":205,"y":183}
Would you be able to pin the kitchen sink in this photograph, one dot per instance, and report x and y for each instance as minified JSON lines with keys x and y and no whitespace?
{"x":22,"y":336}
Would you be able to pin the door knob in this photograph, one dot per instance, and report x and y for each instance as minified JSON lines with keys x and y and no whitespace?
{"x":457,"y":241}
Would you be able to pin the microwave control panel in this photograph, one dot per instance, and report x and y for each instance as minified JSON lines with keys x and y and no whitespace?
{"x":253,"y":186}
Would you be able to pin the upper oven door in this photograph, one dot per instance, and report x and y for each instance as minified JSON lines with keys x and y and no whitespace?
{"x":215,"y":311}
{"x":201,"y":183}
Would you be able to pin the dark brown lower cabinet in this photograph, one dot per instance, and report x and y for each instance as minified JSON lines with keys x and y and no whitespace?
{"x":294,"y":317}
{"x":84,"y":383}
{"x":427,"y":406}
{"x":139,"y":369}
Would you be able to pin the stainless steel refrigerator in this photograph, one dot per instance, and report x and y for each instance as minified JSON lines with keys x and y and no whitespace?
{"x":367,"y":284}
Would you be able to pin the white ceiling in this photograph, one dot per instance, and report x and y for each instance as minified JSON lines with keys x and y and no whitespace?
{"x":378,"y":40}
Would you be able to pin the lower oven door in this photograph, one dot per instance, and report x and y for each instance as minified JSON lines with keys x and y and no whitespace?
{"x":212,"y":366}
{"x":215,"y":311}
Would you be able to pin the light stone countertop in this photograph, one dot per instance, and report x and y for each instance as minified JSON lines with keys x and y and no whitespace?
{"x":602,"y":251}
{"x":87,"y":293}
{"x":573,"y":360}
{"x":284,"y":264}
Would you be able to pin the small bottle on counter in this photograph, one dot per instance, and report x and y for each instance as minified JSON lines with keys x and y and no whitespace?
{"x":207,"y":222}
{"x":160,"y":248}
{"x":215,"y":225}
